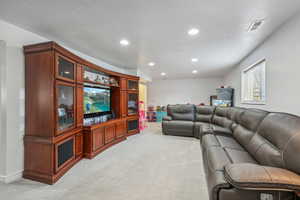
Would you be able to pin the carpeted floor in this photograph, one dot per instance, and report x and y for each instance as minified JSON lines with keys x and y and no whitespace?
{"x":148,"y":166}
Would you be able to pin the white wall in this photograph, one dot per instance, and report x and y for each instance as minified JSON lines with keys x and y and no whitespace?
{"x":12,"y":96}
{"x":282,"y":54}
{"x":181,"y":91}
{"x":2,"y":108}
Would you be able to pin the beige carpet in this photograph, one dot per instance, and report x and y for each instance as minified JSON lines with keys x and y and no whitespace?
{"x":148,"y":166}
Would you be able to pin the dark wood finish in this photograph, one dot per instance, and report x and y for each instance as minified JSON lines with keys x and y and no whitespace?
{"x":123,"y":104}
{"x":58,"y":83}
{"x":42,"y":137}
{"x":101,"y":136}
{"x":123,"y":84}
{"x":79,"y":106}
{"x":79,"y":74}
{"x":39,"y":87}
{"x":135,"y":131}
{"x":57,"y":56}
{"x":53,"y":46}
{"x":98,"y":138}
{"x":79,"y":145}
{"x":121,"y":129}
{"x":57,"y":168}
{"x":110,"y":133}
{"x":132,"y":88}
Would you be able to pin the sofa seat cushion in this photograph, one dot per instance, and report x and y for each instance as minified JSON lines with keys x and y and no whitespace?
{"x":179,"y":128}
{"x":180,"y":125}
{"x":221,"y":141}
{"x":210,"y":140}
{"x":239,"y":156}
{"x":219,"y":130}
{"x":216,"y":158}
{"x":228,"y":142}
{"x":198,"y":126}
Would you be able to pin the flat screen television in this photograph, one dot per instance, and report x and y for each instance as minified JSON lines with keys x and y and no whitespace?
{"x":96,"y":100}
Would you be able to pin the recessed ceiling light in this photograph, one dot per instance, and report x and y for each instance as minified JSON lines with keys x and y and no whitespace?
{"x":124,"y":42}
{"x":194,"y":60}
{"x":163,"y":74}
{"x":193,"y":31}
{"x":151,"y":64}
{"x":194,"y":71}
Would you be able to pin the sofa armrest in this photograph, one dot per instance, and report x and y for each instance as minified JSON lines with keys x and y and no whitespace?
{"x":257,"y":177}
{"x":206,"y":129}
{"x":167,"y":118}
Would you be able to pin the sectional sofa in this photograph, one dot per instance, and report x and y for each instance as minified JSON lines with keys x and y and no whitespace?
{"x":248,"y":154}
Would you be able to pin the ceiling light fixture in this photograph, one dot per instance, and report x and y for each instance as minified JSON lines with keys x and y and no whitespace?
{"x":151,"y":64}
{"x":194,"y":71}
{"x":194,"y":60}
{"x":124,"y":42}
{"x":163,"y":74}
{"x":193,"y":31}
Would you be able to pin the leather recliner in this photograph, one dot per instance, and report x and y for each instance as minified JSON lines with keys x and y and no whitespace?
{"x":250,"y":154}
{"x":180,"y":120}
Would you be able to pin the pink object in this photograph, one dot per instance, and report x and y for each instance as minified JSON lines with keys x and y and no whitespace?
{"x":142,"y":115}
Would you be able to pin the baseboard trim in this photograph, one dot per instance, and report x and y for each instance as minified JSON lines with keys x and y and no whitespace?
{"x":11,"y":177}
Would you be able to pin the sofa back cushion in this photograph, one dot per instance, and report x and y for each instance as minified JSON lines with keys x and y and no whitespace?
{"x":219,"y":116}
{"x":234,"y":114}
{"x":277,"y":142}
{"x":248,"y":122}
{"x":181,"y":112}
{"x":204,"y":113}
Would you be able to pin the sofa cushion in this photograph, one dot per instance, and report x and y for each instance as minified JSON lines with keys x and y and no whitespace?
{"x":179,"y":128}
{"x":210,"y":140}
{"x":277,"y":142}
{"x":204,"y":113}
{"x":228,"y":142}
{"x":252,"y":118}
{"x":219,"y":130}
{"x":197,"y":128}
{"x":219,"y":116}
{"x":221,"y":141}
{"x":239,"y":156}
{"x":216,"y":158}
{"x":249,"y":122}
{"x":235,"y":112}
{"x":184,"y":112}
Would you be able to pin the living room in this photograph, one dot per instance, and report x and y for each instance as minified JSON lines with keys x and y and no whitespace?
{"x":149,"y":100}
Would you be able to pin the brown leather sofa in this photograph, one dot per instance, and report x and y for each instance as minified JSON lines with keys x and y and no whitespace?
{"x":249,"y":154}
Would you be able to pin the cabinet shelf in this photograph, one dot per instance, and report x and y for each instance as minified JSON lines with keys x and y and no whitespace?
{"x":102,"y":84}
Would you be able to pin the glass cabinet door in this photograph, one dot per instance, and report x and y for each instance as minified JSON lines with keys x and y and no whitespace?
{"x":132,"y":107}
{"x":65,"y":68}
{"x":65,"y":107}
{"x":132,"y":85}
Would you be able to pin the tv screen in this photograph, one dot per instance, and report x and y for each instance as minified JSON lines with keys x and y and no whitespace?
{"x":96,"y":100}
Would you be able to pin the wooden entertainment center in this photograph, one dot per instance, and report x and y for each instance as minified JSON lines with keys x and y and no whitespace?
{"x":57,"y":134}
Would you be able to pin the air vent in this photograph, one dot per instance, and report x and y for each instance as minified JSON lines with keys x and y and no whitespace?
{"x":255,"y":25}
